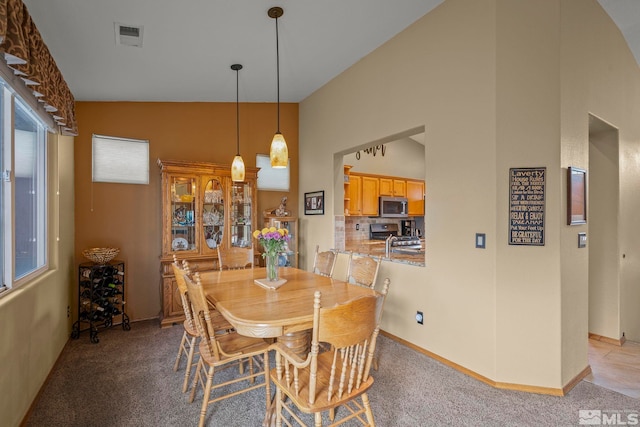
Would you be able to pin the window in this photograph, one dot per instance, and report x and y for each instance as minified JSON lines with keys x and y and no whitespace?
{"x":121,"y":160}
{"x":271,"y":179}
{"x":23,"y":191}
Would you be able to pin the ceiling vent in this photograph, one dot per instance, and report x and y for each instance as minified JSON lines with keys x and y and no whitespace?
{"x":129,"y":35}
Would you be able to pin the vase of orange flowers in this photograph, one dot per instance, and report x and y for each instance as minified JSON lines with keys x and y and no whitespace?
{"x":274,"y":241}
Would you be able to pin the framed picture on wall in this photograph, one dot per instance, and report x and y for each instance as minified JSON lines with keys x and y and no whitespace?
{"x":314,"y":203}
{"x":577,"y":196}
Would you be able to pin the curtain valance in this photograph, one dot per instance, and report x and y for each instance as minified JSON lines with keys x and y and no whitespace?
{"x":25,"y":53}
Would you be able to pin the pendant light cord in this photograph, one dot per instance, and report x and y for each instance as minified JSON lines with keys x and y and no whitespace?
{"x":237,"y":112}
{"x":278,"y":72}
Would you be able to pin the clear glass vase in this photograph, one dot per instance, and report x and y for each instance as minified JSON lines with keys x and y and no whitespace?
{"x":272,"y":267}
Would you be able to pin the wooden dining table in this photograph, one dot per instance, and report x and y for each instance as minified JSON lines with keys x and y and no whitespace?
{"x":285,"y":313}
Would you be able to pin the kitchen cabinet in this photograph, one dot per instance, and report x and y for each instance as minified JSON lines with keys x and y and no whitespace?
{"x":355,"y":195}
{"x":393,"y":187}
{"x":201,"y":210}
{"x":364,"y":192}
{"x":370,"y":194}
{"x":347,"y":189}
{"x":415,"y":196}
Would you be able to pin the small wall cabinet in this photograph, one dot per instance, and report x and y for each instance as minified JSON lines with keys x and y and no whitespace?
{"x":201,"y":210}
{"x":100,"y":298}
{"x":415,"y":196}
{"x":393,"y":187}
{"x":288,"y":258}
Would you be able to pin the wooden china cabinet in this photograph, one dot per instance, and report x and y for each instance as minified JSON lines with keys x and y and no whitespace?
{"x":201,"y":210}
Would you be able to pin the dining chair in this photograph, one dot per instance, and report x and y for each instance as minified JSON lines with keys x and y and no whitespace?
{"x":218,"y":352}
{"x":187,"y":348}
{"x":321,"y":382}
{"x":324,"y":262}
{"x":363,"y":270}
{"x":235,"y":258}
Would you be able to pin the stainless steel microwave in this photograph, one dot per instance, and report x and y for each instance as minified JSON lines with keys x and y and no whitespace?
{"x":393,"y":207}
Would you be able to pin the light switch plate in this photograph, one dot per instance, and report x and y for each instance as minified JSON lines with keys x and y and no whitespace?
{"x":481,"y":240}
{"x":582,"y":240}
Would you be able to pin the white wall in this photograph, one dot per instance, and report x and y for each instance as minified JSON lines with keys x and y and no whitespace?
{"x":403,"y":158}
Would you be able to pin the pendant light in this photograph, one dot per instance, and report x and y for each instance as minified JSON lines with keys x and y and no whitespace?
{"x":237,"y":167}
{"x":279,"y":153}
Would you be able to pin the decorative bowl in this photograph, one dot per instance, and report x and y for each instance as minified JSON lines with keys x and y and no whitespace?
{"x":101,"y":255}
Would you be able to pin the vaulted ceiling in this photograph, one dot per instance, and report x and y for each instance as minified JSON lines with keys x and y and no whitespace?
{"x":189,"y":46}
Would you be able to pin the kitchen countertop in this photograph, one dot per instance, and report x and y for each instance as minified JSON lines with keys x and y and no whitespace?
{"x":376,"y":248}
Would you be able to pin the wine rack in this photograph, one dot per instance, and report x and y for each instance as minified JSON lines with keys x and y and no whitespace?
{"x":100,"y":299}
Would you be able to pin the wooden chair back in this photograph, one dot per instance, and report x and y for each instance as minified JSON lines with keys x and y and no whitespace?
{"x":329,"y":379}
{"x":180,"y":272}
{"x":202,"y":315}
{"x":363,"y":271}
{"x":235,"y":258}
{"x":324,"y":262}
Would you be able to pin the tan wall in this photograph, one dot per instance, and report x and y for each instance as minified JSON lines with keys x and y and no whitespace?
{"x":33,"y":318}
{"x":129,"y":216}
{"x":599,"y":77}
{"x":439,"y":73}
{"x":497,"y":84}
{"x":528,"y":134}
{"x":604,"y":259}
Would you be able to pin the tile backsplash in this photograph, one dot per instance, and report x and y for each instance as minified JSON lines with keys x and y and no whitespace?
{"x":346,"y":232}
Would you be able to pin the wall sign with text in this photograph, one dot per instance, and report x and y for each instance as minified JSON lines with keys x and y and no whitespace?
{"x":526,"y":206}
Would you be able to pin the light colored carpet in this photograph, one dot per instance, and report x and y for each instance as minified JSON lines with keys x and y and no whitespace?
{"x":127,"y":379}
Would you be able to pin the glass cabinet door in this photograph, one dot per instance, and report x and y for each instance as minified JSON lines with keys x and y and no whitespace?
{"x":213,"y":214}
{"x":183,"y":236}
{"x":289,"y":257}
{"x":240,"y":215}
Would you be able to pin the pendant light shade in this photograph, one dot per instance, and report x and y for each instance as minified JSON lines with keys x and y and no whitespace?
{"x":237,"y":167}
{"x":279,"y":153}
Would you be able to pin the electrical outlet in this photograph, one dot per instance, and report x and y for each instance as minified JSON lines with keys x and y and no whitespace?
{"x":68,"y":312}
{"x":419,"y":317}
{"x":357,"y":226}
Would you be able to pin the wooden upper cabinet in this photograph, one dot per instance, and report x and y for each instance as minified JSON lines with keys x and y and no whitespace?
{"x":399,"y":188}
{"x":355,"y":195}
{"x":393,"y":187}
{"x":370,"y":193}
{"x":415,"y":195}
{"x":386,"y":187}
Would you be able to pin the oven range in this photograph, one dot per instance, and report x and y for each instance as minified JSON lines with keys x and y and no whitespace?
{"x":382,"y":231}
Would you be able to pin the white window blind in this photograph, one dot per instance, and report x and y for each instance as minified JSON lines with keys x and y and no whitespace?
{"x":120,"y":160}
{"x":272,"y":179}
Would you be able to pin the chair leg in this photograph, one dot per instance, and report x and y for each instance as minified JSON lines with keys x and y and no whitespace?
{"x":318,"y":419}
{"x":196,"y":378}
{"x":180,"y":349}
{"x":332,"y":414}
{"x":367,"y":407}
{"x":205,"y":398}
{"x":267,"y":380}
{"x":187,"y":373}
{"x":278,"y":407}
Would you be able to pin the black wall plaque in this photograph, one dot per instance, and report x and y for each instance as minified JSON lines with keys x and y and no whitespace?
{"x":526,"y":206}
